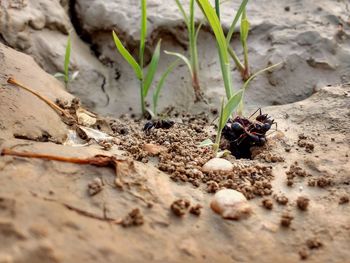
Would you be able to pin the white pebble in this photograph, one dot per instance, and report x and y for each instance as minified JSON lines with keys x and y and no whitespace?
{"x":231,"y":204}
{"x":217,"y":164}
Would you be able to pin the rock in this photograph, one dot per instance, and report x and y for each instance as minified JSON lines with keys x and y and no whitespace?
{"x":217,"y":164}
{"x":154,"y":149}
{"x":95,"y":186}
{"x":85,"y":118}
{"x":231,"y":204}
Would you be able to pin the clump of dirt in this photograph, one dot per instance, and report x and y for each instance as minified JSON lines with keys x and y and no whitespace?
{"x":344,"y":199}
{"x":303,"y":253}
{"x":322,"y":181}
{"x":133,"y":218}
{"x":286,"y":219}
{"x":267,"y":203}
{"x":303,"y":203}
{"x":196,"y":209}
{"x":281,"y":199}
{"x":314,"y":243}
{"x":295,"y":171}
{"x":179,"y":207}
{"x":304,"y":142}
{"x":182,"y":158}
{"x":250,"y":179}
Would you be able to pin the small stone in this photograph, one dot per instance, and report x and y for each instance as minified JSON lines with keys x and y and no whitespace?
{"x":217,"y":164}
{"x":231,"y":204}
{"x":303,"y":203}
{"x":154,"y":149}
{"x":95,"y":186}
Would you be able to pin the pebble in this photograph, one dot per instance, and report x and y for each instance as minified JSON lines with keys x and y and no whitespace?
{"x":154,"y":149}
{"x":231,"y":204}
{"x":217,"y":164}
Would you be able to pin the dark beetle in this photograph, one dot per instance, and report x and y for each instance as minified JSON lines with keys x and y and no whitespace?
{"x":243,"y":133}
{"x":158,"y":124}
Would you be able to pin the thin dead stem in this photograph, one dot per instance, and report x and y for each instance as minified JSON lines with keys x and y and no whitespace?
{"x":46,"y":100}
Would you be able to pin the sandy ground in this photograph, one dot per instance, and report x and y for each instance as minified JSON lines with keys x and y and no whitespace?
{"x":46,"y":211}
{"x":48,"y":215}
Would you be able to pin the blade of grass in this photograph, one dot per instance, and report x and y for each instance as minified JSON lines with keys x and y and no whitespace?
{"x":246,"y":83}
{"x":143,"y":31}
{"x":244,"y":38}
{"x":217,"y":8}
{"x":161,"y":84}
{"x":187,"y":62}
{"x":230,"y":106}
{"x":235,"y":20}
{"x":179,"y":5}
{"x":152,"y":68}
{"x":66,"y":60}
{"x":127,"y":56}
{"x":216,"y":145}
{"x":221,"y":42}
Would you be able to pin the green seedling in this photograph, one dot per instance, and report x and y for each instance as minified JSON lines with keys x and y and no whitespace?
{"x":160,"y":84}
{"x":66,"y":75}
{"x":192,"y":62}
{"x":145,"y":79}
{"x":235,"y":101}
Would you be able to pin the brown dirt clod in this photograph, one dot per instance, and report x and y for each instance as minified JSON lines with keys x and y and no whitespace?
{"x":303,"y":203}
{"x":196,"y":210}
{"x":344,"y":199}
{"x":133,"y":218}
{"x":180,"y":206}
{"x":267,"y":203}
{"x":286,"y":219}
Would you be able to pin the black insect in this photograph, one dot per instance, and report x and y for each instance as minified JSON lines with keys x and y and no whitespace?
{"x":158,"y":124}
{"x":243,"y":133}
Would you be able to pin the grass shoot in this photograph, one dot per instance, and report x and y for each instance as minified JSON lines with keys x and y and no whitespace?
{"x":192,"y":62}
{"x":145,"y":79}
{"x":66,"y":74}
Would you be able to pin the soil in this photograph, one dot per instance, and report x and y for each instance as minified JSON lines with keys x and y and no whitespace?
{"x":145,"y":207}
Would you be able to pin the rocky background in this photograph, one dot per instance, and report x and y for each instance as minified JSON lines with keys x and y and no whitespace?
{"x":311,"y":38}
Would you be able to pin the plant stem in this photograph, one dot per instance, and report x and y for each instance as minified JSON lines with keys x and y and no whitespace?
{"x":143,"y":106}
{"x":235,"y":58}
{"x":193,"y":53}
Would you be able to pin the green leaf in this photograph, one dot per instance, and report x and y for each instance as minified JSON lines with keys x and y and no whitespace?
{"x":235,"y":20}
{"x":217,"y":8}
{"x":152,"y":68}
{"x":230,"y":106}
{"x":222,"y":153}
{"x":214,"y":22}
{"x":187,"y":62}
{"x":179,"y":5}
{"x":127,"y":56}
{"x":244,"y":29}
{"x":205,"y":143}
{"x":245,"y":85}
{"x":67,"y":59}
{"x":197,"y":31}
{"x":143,"y":32}
{"x":161,"y":84}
